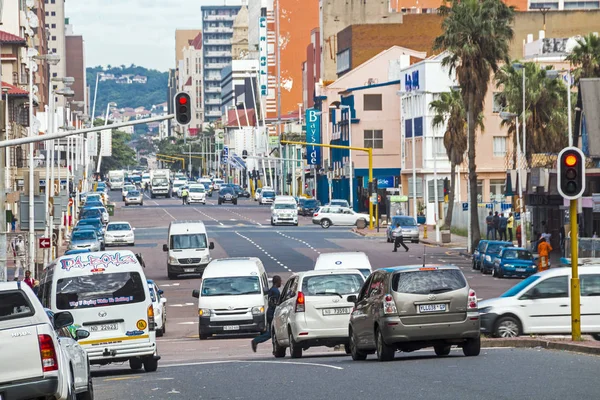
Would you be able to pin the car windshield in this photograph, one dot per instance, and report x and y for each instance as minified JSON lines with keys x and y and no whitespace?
{"x":133,"y":193}
{"x":285,"y":206}
{"x":310,"y":203}
{"x":238,"y":187}
{"x":226,"y":190}
{"x":517,"y":255}
{"x":231,"y":286}
{"x":428,"y":281}
{"x":342,"y":203}
{"x":515,"y":290}
{"x":128,"y":188}
{"x":118,"y":227}
{"x":268,"y":194}
{"x":83,"y":235}
{"x":190,"y":241}
{"x":404,"y":221}
{"x":494,"y":248}
{"x":13,"y":305}
{"x":90,"y":222}
{"x":178,"y":184}
{"x":481,"y":245}
{"x":332,"y":284}
{"x":197,"y":189}
{"x":100,"y":290}
{"x":93,"y":197}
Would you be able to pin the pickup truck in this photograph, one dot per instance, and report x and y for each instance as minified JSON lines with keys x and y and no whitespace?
{"x":39,"y":358}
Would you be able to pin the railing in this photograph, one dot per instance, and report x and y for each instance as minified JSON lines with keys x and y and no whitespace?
{"x":588,"y":247}
{"x":218,"y":66}
{"x":218,"y":54}
{"x":213,"y":89}
{"x":213,"y":101}
{"x":216,"y":42}
{"x":219,"y":17}
{"x":220,"y":29}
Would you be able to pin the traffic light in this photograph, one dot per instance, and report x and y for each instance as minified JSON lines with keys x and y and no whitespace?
{"x":289,"y":179}
{"x":571,"y":173}
{"x":244,"y":154}
{"x":183,"y":108}
{"x":446,"y":189}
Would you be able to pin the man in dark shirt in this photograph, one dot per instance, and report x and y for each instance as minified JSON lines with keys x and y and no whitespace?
{"x":489,"y":221}
{"x":496,"y":225}
{"x":273,"y":296}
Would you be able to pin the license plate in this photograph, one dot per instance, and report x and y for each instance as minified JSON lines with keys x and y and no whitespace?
{"x":520,"y":269}
{"x":189,"y":269}
{"x":231,"y":328}
{"x":426,"y":308}
{"x":103,"y":328}
{"x":336,"y":311}
{"x":119,"y":240}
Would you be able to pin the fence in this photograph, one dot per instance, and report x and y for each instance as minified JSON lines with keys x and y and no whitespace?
{"x":588,"y":247}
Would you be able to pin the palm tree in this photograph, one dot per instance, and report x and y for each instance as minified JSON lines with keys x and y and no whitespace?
{"x":450,"y":112}
{"x":586,"y":55}
{"x":545,"y":101}
{"x":476,"y":34}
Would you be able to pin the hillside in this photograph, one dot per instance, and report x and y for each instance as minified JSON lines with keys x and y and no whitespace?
{"x":154,"y":91}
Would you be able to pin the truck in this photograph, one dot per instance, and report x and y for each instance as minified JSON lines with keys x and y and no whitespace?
{"x":116,"y":179}
{"x":159,"y":183}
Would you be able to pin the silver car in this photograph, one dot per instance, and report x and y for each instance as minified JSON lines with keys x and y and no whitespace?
{"x":85,"y":239}
{"x":134,"y":197}
{"x":410,"y":229}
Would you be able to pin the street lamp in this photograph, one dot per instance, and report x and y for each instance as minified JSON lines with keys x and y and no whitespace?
{"x":351,"y":174}
{"x":108,"y":105}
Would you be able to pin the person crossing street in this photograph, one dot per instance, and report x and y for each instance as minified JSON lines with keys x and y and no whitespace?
{"x":273,"y":297}
{"x":398,"y":240}
{"x":184,"y":195}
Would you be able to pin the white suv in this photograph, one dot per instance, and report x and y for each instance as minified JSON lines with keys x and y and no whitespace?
{"x":313,"y":311}
{"x":335,"y":215}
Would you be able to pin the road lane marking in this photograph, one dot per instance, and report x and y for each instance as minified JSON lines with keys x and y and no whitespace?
{"x":264,"y":251}
{"x":208,"y":216}
{"x":122,"y":378}
{"x":169,"y":214}
{"x":299,"y":240}
{"x":309,"y":364}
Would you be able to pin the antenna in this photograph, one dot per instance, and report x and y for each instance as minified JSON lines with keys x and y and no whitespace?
{"x":424,"y":247}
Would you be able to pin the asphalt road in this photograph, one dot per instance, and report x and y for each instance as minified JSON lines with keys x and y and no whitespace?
{"x":496,"y":374}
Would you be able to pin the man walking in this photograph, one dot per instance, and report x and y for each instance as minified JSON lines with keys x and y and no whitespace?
{"x":398,"y":240}
{"x":502,"y":226}
{"x":544,"y":250}
{"x":496,"y":223}
{"x":18,"y":248}
{"x":509,"y":225}
{"x":273,"y":296}
{"x":489,"y":221}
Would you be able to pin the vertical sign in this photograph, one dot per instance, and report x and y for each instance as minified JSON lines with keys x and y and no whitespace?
{"x":106,"y":145}
{"x":263,"y":55}
{"x":313,"y":135}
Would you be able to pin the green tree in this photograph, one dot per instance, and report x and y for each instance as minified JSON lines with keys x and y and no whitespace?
{"x":586,"y":57}
{"x":476,"y":34}
{"x":122,"y":157}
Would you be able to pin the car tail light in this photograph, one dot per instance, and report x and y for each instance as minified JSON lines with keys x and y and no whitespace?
{"x":389,"y":306}
{"x":48,"y":353}
{"x":316,"y":214}
{"x":472,"y":300}
{"x":300,"y":302}
{"x":151,"y":317}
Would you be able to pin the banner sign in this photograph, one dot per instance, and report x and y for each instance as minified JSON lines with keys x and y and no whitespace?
{"x":313,"y":135}
{"x":263,"y":55}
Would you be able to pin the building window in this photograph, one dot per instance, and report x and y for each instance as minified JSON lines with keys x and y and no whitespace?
{"x":372,"y":102}
{"x":439,"y":150}
{"x":497,"y":190}
{"x":47,"y":26}
{"x":54,"y":50}
{"x":343,"y":61}
{"x":497,"y":105}
{"x":480,"y":190}
{"x":53,"y":37}
{"x":54,"y":74}
{"x":499,"y":146}
{"x":53,"y":13}
{"x":47,"y":13}
{"x":53,"y":25}
{"x":374,"y":138}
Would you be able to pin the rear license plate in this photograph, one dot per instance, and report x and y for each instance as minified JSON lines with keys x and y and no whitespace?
{"x":520,"y":269}
{"x":189,"y":269}
{"x":103,"y":328}
{"x":336,"y":311}
{"x":231,"y":328}
{"x":427,"y":308}
{"x":119,"y":240}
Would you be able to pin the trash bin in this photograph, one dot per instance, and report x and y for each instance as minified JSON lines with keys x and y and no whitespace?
{"x":446,"y":237}
{"x":111,"y":209}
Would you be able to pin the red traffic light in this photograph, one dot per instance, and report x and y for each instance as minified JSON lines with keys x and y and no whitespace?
{"x":570,"y":160}
{"x":182,"y":100}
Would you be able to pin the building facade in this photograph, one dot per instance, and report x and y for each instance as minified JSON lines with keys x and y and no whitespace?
{"x":190,"y":74}
{"x":238,"y":86}
{"x":311,"y":69}
{"x":239,"y":40}
{"x":75,"y":63}
{"x":55,"y":24}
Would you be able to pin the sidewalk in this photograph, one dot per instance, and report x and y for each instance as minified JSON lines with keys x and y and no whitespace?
{"x":587,"y":346}
{"x":456,"y":241}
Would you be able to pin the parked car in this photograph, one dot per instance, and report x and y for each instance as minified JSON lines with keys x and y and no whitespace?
{"x":334,"y":215}
{"x":477,"y":254}
{"x":95,"y":212}
{"x":77,"y":251}
{"x":85,"y":239}
{"x":540,"y":304}
{"x":92,"y":223}
{"x":92,"y":204}
{"x":119,"y":233}
{"x":410,"y":229}
{"x":100,"y":187}
{"x":307,"y":207}
{"x":160,"y":307}
{"x":339,"y":203}
{"x":257,"y":194}
{"x":134,"y":197}
{"x":197,"y":193}
{"x":491,"y":250}
{"x":267,"y":196}
{"x":40,"y":358}
{"x":180,"y":189}
{"x":227,"y":195}
{"x":514,"y":261}
{"x":413,"y":307}
{"x":93,"y":197}
{"x":241,"y":192}
{"x":313,"y":310}
{"x":126,"y":189}
{"x":217,"y":184}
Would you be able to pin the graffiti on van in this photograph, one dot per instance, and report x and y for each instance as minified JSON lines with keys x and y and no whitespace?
{"x":97,"y":263}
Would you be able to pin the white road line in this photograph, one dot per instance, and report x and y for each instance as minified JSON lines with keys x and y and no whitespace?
{"x":263,"y":250}
{"x":208,"y":216}
{"x":169,"y":214}
{"x":301,"y":241}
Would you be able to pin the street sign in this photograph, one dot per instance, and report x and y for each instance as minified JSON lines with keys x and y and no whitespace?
{"x":517,"y":216}
{"x":44,"y":243}
{"x":225,"y":157}
{"x":465,"y":206}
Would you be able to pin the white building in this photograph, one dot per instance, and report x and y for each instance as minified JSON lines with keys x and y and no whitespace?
{"x":55,"y":23}
{"x":190,"y":73}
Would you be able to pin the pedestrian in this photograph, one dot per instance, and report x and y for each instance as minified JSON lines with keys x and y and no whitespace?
{"x":519,"y":235}
{"x":509,"y":225}
{"x":489,"y":221}
{"x":502,"y":226}
{"x":496,"y":222}
{"x":184,"y":195}
{"x":18,"y":248}
{"x":29,"y":280}
{"x":146,"y":187}
{"x":398,"y":239}
{"x":273,"y":297}
{"x":544,"y":250}
{"x":561,"y":235}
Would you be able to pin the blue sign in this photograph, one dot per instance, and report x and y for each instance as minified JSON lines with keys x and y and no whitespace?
{"x":517,"y":216}
{"x":313,"y":135}
{"x":465,"y":206}
{"x":411,"y":81}
{"x":385,"y":182}
{"x":225,"y":155}
{"x":489,"y":206}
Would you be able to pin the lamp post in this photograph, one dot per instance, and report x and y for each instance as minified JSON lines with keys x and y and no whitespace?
{"x":507,"y":116}
{"x":519,"y":67}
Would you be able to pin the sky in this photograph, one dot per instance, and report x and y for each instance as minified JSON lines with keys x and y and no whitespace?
{"x":140,"y":32}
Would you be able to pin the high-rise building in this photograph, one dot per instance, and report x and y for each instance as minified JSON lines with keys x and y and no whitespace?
{"x":217,"y":31}
{"x":55,"y":24}
{"x":41,"y":44}
{"x":190,"y":73}
{"x":75,"y":63}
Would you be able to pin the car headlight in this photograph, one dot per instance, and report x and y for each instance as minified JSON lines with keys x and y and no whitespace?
{"x":485,"y":310}
{"x":488,"y":258}
{"x":204,"y":312}
{"x":508,"y":266}
{"x":173,"y":260}
{"x":130,"y":234}
{"x":258,"y":310}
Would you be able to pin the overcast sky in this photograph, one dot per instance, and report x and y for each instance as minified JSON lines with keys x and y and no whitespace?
{"x":141,"y":32}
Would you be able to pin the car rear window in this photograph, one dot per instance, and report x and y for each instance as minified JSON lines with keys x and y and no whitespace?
{"x":14,"y":304}
{"x":494,"y":248}
{"x":428,"y":281}
{"x":331,"y":284}
{"x":517,"y":255}
{"x":100,"y":290}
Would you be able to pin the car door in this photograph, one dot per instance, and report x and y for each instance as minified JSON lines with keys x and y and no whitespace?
{"x":373,"y":306}
{"x":75,"y":356}
{"x":590,"y":303}
{"x":285,"y":308}
{"x":547,"y":306}
{"x":360,"y":325}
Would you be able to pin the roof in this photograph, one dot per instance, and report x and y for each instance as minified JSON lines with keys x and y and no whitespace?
{"x":6,"y":37}
{"x":418,"y":267}
{"x":232,"y":119}
{"x":196,"y":42}
{"x":14,"y":90}
{"x":188,"y":82}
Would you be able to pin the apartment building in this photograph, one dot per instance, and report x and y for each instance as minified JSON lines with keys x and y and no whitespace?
{"x":55,"y":25}
{"x":75,"y":64}
{"x":190,"y":73}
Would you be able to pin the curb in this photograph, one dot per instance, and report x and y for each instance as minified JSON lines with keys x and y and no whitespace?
{"x":541,"y":343}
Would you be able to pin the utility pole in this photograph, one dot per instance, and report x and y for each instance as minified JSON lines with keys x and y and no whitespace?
{"x":3,"y":242}
{"x":279,"y":131}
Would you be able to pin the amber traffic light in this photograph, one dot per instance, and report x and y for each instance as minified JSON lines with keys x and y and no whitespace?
{"x":571,"y":173}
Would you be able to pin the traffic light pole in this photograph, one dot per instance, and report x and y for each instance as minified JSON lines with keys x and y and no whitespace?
{"x":575,"y":291}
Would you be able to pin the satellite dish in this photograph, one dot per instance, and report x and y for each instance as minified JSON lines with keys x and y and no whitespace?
{"x":29,"y":32}
{"x":35,"y":88}
{"x":32,"y":52}
{"x":30,"y":3}
{"x":33,"y":19}
{"x":34,"y":67}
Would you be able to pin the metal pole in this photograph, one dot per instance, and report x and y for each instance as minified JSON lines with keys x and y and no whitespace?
{"x":279,"y":133}
{"x":469,"y":205}
{"x":49,"y":111}
{"x":524,"y":164}
{"x":414,"y":162}
{"x":31,"y":263}
{"x":435,"y":191}
{"x":3,"y":169}
{"x":569,"y":108}
{"x":350,"y":157}
{"x":575,"y":292}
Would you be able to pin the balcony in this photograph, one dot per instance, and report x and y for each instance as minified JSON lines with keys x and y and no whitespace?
{"x":217,"y":42}
{"x":213,"y":101}
{"x":212,"y":79}
{"x":212,"y":89}
{"x":213,"y":18}
{"x":217,"y":53}
{"x":212,"y":113}
{"x":218,"y":29}
{"x":217,"y":66}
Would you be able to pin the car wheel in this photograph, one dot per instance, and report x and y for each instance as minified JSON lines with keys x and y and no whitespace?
{"x":203,"y":336}
{"x":135,"y":364}
{"x":507,"y":327}
{"x":89,"y":394}
{"x":295,"y":350}
{"x":278,"y":351}
{"x":385,"y":352}
{"x":500,"y":273}
{"x":126,"y":204}
{"x":347,"y":349}
{"x":472,"y":347}
{"x":596,"y":336}
{"x":151,"y":365}
{"x":235,"y":203}
{"x":442,"y":350}
{"x":494,"y":273}
{"x":325,"y":223}
{"x":159,"y":332}
{"x":272,"y":222}
{"x":356,"y":354}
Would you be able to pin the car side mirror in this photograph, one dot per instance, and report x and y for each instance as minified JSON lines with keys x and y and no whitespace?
{"x":133,"y":229}
{"x":163,"y":300}
{"x":211,"y":246}
{"x":62,"y":319}
{"x":81,"y":334}
{"x":196,"y":293}
{"x":165,"y":247}
{"x":535,"y":293}
{"x":352,"y":298}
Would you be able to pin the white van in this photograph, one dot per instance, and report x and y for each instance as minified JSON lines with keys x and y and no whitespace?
{"x":188,"y":250}
{"x":284,"y":211}
{"x":107,"y":294}
{"x":232,"y":297}
{"x":345,"y":260}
